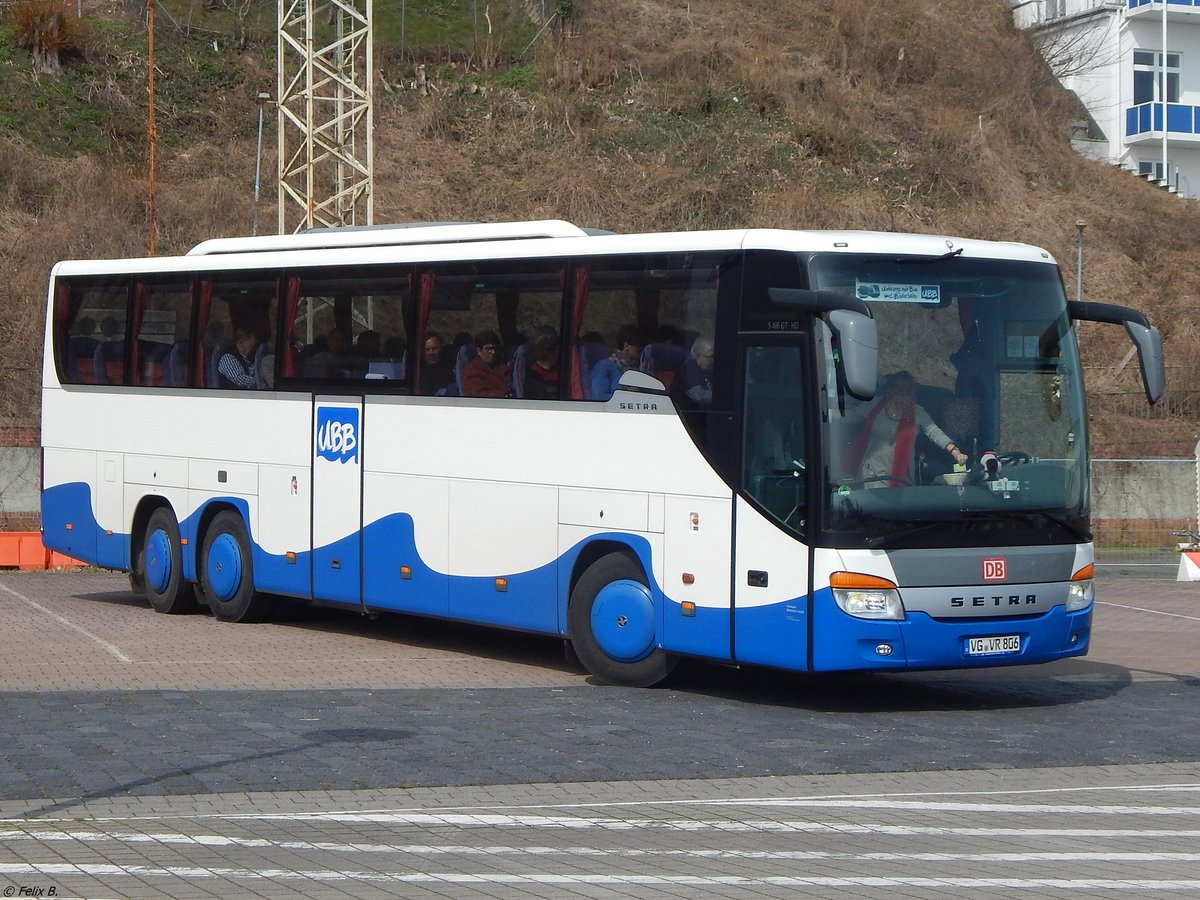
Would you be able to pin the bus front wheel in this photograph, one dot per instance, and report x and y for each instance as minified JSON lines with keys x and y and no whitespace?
{"x":612,"y":624}
{"x":160,"y":568}
{"x":227,"y":574}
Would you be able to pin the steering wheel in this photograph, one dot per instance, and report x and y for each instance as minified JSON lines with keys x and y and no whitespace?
{"x":1012,"y":457}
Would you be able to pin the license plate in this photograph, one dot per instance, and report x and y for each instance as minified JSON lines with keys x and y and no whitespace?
{"x":990,"y":646}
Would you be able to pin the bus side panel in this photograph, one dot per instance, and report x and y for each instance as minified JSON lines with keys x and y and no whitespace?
{"x":68,"y":520}
{"x":112,"y":534}
{"x":404,"y":543}
{"x":770,"y":586}
{"x":698,"y":537}
{"x":284,"y":503}
{"x":510,"y":532}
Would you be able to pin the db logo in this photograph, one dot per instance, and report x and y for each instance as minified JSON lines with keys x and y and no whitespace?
{"x":994,"y":570}
{"x":337,"y":434}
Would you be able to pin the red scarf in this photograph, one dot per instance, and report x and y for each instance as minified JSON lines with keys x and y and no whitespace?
{"x":906,"y":436}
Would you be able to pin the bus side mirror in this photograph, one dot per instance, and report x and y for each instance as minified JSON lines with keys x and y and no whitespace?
{"x":858,"y":342}
{"x":853,"y":328}
{"x":1150,"y":358}
{"x":1144,"y":335}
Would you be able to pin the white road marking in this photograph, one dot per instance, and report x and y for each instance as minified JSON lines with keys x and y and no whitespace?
{"x":107,"y":870}
{"x":111,"y":648}
{"x":216,"y":840}
{"x":1157,"y":612}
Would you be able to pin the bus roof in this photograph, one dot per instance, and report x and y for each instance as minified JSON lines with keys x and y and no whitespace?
{"x":392,"y":235}
{"x":456,"y":242}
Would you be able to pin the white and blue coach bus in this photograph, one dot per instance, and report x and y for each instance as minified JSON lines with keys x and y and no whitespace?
{"x":291,"y":418}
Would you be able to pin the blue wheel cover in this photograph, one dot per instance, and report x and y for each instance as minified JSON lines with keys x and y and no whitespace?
{"x":224,"y":566}
{"x":158,"y":561}
{"x":623,"y":621}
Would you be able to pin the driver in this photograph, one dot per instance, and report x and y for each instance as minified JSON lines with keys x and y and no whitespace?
{"x":883,"y":452}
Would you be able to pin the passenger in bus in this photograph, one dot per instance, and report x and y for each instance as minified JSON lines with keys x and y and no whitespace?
{"x":437,"y":369}
{"x":235,"y":368}
{"x":336,"y":360}
{"x":368,"y":344}
{"x":485,"y":375}
{"x":542,"y":376}
{"x":606,"y":374}
{"x":884,"y":451}
{"x":961,"y":423}
{"x":692,"y":387}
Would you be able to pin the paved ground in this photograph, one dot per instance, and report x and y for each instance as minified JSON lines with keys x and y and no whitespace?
{"x":327,"y":755}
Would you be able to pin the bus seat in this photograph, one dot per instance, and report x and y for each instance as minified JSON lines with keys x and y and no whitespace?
{"x":520,"y":365}
{"x":210,"y":374}
{"x":177,"y":364}
{"x":152,"y":358}
{"x":590,"y":354}
{"x":465,"y":353}
{"x":108,"y":362}
{"x":80,"y":364}
{"x":663,"y":361}
{"x":263,"y":354}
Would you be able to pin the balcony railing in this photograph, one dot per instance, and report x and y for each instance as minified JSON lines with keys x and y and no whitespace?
{"x":1147,"y":117}
{"x":1139,"y":4}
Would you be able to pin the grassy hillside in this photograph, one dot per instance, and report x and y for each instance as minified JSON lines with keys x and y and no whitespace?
{"x":920,"y":115}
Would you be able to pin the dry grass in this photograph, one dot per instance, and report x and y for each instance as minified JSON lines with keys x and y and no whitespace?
{"x":924,"y":115}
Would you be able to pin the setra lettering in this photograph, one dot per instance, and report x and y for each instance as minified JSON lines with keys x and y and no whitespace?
{"x":637,"y":407}
{"x":997,"y":600}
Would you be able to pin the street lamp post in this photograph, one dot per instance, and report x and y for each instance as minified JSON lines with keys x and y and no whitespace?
{"x":263,"y":99}
{"x":1079,"y":226}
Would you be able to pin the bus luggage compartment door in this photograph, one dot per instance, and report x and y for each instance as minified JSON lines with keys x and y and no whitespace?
{"x":337,"y":499}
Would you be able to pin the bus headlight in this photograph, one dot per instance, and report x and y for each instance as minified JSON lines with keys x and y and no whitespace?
{"x":866,"y":596}
{"x":1080,"y":592}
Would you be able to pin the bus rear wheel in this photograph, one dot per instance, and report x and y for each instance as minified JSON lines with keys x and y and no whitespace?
{"x":160,"y":569}
{"x":612,"y":624}
{"x":227,"y":574}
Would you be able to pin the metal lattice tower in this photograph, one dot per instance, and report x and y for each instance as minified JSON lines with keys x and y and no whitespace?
{"x":326,"y":147}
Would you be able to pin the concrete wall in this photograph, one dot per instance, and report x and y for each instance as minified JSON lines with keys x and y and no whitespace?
{"x":1144,"y":489}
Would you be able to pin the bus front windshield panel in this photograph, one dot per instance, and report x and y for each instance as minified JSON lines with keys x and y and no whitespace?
{"x":977,"y":433}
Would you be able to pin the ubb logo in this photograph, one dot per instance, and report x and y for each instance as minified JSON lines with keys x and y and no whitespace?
{"x":337,"y":434}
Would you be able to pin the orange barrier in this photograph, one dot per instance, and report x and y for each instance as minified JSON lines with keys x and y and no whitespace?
{"x":23,"y":550}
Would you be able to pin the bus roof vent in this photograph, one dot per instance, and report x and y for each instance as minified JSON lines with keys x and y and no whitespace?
{"x":391,"y":236}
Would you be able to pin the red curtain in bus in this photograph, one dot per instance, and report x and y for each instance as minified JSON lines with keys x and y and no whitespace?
{"x":578,"y":305}
{"x":139,"y":313}
{"x":64,"y":320}
{"x":424,"y":302}
{"x":291,"y":302}
{"x":203,"y":305}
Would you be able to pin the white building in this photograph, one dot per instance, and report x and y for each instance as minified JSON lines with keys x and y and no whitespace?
{"x":1125,"y":60}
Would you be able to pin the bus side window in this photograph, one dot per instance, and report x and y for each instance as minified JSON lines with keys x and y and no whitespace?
{"x":773,"y":448}
{"x":246,"y":305}
{"x":91,"y":313}
{"x":351,"y":329}
{"x":162,"y":320}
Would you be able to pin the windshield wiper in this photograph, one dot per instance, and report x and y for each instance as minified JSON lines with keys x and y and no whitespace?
{"x":881,"y":540}
{"x":1080,"y":534}
{"x":904,"y":260}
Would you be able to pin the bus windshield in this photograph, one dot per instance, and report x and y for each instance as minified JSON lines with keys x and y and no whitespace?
{"x":977,"y":432}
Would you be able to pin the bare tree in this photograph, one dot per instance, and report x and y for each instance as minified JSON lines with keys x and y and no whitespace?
{"x":47,"y":28}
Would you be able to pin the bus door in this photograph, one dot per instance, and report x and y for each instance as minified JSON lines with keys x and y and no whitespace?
{"x":337,"y":499}
{"x":771,"y":558}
